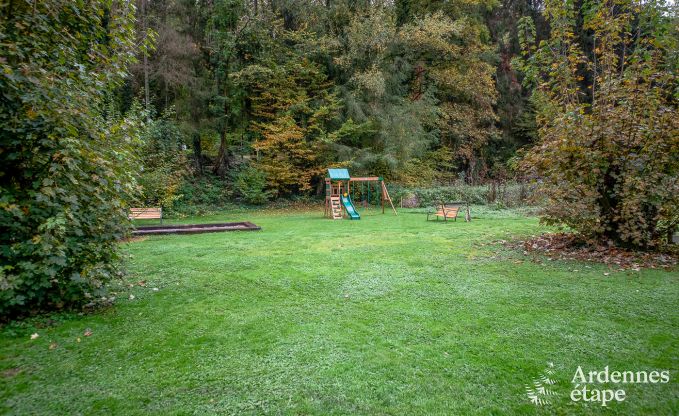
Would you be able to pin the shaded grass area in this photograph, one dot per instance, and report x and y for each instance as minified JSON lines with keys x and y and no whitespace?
{"x":386,"y":315}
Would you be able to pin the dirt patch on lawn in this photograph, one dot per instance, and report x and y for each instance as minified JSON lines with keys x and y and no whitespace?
{"x":10,"y":372}
{"x":136,"y":239}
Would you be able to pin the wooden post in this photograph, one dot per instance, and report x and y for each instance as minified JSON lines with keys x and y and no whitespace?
{"x":382,"y":195}
{"x":386,"y":195}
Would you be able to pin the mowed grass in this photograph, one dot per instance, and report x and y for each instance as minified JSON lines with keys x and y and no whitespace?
{"x":386,"y":315}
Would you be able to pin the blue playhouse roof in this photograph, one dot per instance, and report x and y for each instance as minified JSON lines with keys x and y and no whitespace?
{"x":339,"y":174}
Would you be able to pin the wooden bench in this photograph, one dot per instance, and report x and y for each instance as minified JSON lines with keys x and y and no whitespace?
{"x":446,"y":210}
{"x":146,"y":214}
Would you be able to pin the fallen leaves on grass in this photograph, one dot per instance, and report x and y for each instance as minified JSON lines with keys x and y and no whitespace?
{"x":567,"y":246}
{"x":88,"y":332}
{"x":53,"y":345}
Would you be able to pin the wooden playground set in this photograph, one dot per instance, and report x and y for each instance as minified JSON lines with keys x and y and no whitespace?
{"x":339,"y":194}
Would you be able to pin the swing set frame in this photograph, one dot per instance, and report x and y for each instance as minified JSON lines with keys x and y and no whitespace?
{"x":379,"y":182}
{"x":336,"y":186}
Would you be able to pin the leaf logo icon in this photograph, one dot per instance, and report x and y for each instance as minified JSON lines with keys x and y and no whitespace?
{"x":538,"y":393}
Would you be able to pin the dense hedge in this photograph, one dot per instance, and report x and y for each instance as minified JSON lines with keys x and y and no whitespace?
{"x":65,"y":166}
{"x":498,"y":194}
{"x":209,"y":194}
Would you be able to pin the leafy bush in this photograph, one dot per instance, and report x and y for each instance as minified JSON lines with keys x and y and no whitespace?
{"x":607,"y":159}
{"x":65,"y":167}
{"x":164,"y":163}
{"x":201,"y":195}
{"x":416,"y":173}
{"x":504,"y":195}
{"x":432,"y":196}
{"x":250,"y":184}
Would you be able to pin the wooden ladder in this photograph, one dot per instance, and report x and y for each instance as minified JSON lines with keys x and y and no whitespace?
{"x":335,"y":208}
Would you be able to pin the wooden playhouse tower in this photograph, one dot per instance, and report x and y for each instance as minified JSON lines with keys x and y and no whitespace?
{"x":338,"y":203}
{"x":336,"y":183}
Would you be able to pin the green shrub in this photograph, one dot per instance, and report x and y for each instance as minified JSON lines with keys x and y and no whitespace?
{"x":504,"y":195}
{"x":164,"y":163}
{"x":65,"y":167}
{"x":431,"y":196}
{"x":250,"y":184}
{"x":201,"y":195}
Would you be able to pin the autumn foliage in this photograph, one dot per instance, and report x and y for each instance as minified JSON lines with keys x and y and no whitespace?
{"x":293,"y":107}
{"x":607,"y":160}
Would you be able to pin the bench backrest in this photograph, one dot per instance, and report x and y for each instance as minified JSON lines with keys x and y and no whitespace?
{"x":450,"y":206}
{"x":146,"y":213}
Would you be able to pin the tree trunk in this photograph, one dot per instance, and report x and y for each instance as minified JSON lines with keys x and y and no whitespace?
{"x":146,"y":65}
{"x":198,"y":153}
{"x":609,"y":207}
{"x":471,"y":171}
{"x":670,"y":235}
{"x":221,"y":161}
{"x":224,"y":87}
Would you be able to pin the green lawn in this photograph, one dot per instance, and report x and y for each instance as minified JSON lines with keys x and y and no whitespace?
{"x":387,"y":315}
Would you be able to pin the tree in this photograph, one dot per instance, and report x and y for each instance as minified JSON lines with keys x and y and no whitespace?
{"x":419,"y":86}
{"x":608,"y":152}
{"x":450,"y":55}
{"x":294,"y":111}
{"x":228,"y":26}
{"x":176,"y":70}
{"x":67,"y":157}
{"x":163,"y":162}
{"x":516,"y":115}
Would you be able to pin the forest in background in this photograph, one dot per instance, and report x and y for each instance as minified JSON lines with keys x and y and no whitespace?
{"x":107,"y":105}
{"x":265,"y":95}
{"x":577,"y":98}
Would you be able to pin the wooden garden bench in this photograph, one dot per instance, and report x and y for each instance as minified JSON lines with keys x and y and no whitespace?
{"x":446,"y":210}
{"x":146,"y":214}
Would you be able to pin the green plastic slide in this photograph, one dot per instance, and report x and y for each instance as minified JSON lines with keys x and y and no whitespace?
{"x":349,"y":206}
